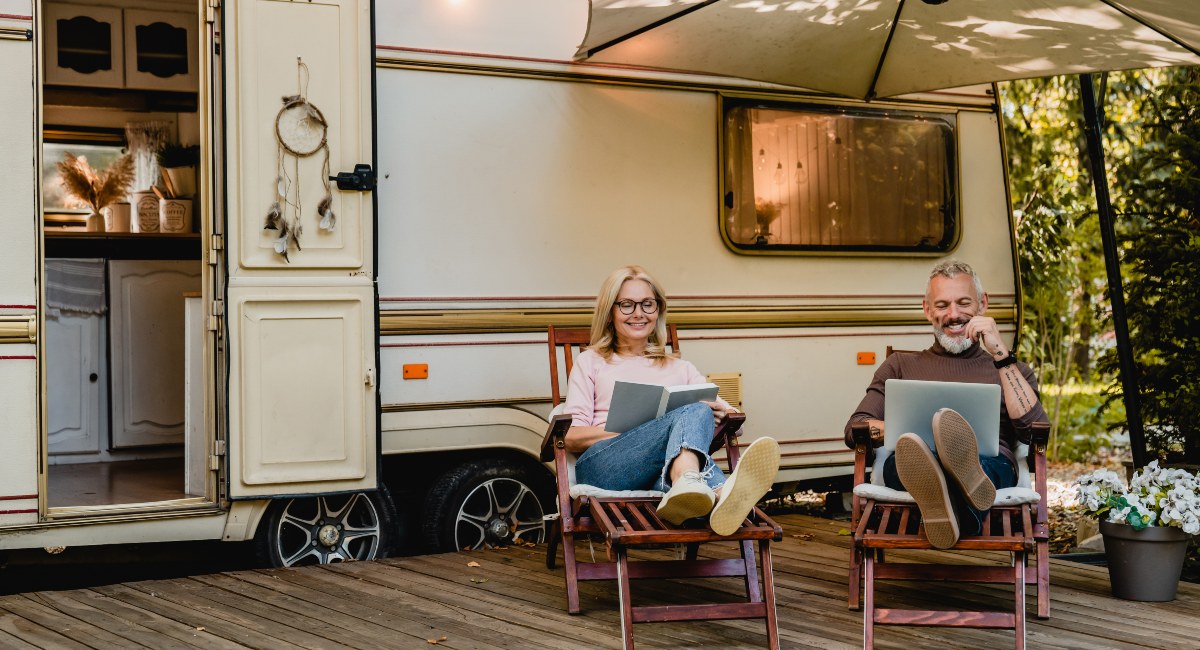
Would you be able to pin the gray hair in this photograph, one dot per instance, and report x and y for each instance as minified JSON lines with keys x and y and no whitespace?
{"x":951,"y":268}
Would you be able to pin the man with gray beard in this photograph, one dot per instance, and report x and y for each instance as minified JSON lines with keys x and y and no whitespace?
{"x":967,"y":348}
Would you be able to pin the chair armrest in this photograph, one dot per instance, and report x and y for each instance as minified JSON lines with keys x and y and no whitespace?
{"x":864,"y":457}
{"x":860,"y":433}
{"x":555,"y":433}
{"x":726,"y":431}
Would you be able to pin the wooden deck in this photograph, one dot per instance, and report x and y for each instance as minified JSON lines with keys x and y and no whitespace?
{"x":510,"y":600}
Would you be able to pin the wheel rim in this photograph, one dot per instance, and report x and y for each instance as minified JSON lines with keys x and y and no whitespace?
{"x":499,"y":512}
{"x":323,"y":530}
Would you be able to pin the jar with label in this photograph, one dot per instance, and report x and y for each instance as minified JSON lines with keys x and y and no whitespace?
{"x":146,"y":207}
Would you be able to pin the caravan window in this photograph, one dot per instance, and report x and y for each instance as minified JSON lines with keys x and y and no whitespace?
{"x":822,"y":179}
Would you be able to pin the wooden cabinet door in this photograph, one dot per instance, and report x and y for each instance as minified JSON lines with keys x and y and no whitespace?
{"x":146,"y":309}
{"x":84,"y":45}
{"x":76,"y":381}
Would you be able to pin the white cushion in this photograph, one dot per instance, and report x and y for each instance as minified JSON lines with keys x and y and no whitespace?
{"x":585,"y":490}
{"x":882,"y":493}
{"x":1022,"y":493}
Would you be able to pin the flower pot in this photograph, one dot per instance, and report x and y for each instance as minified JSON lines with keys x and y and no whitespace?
{"x":181,"y":180}
{"x":1144,"y":564}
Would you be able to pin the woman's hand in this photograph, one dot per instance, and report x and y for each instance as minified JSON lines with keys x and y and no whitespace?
{"x":578,"y":439}
{"x":720,"y":410}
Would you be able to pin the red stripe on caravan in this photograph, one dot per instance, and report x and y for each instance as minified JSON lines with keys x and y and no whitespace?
{"x":30,"y":358}
{"x":18,"y":306}
{"x":18,"y":497}
{"x":16,"y":17}
{"x":18,"y":512}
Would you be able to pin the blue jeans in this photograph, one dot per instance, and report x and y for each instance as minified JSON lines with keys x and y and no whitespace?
{"x":639,"y":458}
{"x":999,"y":470}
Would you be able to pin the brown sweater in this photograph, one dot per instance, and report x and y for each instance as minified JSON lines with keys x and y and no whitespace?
{"x":936,"y":364}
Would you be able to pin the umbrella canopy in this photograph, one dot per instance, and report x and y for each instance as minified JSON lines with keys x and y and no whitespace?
{"x":882,"y":48}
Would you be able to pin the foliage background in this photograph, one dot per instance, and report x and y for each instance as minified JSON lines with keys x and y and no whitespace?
{"x":1152,"y":149}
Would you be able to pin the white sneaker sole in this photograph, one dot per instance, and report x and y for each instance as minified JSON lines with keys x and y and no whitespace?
{"x":749,"y":482}
{"x":678,"y":508}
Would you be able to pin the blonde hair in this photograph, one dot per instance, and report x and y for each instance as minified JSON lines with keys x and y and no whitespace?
{"x":604,"y":333}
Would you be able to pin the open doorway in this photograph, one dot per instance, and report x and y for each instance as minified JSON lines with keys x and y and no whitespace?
{"x":123,"y":268}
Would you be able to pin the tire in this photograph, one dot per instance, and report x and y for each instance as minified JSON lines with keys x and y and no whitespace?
{"x":482,"y":503}
{"x":328,"y":529}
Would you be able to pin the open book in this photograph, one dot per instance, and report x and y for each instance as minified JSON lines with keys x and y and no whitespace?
{"x":635,"y":403}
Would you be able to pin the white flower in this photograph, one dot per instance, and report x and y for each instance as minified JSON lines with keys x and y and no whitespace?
{"x":1156,"y":496}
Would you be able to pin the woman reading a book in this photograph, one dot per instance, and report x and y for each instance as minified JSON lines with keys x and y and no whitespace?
{"x":668,"y":453}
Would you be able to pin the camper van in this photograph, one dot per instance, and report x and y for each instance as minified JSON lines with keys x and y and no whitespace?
{"x":283,"y":271}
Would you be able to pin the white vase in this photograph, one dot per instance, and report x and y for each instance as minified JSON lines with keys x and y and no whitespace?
{"x":95,"y":222}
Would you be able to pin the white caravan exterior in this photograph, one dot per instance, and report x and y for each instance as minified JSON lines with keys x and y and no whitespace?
{"x":229,"y":393}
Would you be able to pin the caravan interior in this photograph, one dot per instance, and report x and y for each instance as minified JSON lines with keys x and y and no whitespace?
{"x":124,"y":380}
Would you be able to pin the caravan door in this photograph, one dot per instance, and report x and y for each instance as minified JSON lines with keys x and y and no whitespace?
{"x":300,"y":293}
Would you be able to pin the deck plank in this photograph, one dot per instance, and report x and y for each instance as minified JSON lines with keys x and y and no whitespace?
{"x":511,"y":601}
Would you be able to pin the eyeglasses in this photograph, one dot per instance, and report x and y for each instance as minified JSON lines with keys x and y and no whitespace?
{"x":649,"y":306}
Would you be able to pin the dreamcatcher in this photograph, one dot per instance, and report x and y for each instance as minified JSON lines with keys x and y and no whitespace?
{"x":300,"y":131}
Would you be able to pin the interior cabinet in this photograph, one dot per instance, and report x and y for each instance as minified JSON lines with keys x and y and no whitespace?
{"x":84,"y":46}
{"x":160,"y":50}
{"x":111,"y":47}
{"x":146,"y":318}
{"x":77,"y":381}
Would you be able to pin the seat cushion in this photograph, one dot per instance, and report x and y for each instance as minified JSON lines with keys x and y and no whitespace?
{"x":1004,"y":497}
{"x":585,"y":490}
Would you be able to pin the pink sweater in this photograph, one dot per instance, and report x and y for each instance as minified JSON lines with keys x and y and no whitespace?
{"x":590,"y":387}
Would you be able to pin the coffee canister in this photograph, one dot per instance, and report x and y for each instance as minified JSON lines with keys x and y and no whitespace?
{"x":146,"y":209}
{"x":175,"y":215}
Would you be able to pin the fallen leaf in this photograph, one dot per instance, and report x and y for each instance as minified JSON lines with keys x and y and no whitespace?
{"x":804,"y":536}
{"x":200,"y":629}
{"x":479,"y":581}
{"x":435,"y":641}
{"x":473,"y":563}
{"x":843,"y":532}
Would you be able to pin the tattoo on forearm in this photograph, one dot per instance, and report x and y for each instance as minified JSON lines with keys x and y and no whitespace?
{"x":1023,"y":399}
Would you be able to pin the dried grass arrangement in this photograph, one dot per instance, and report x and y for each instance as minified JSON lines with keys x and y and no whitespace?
{"x":94,"y":189}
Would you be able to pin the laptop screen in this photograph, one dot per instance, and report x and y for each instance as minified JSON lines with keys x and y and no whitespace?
{"x":909,"y":405}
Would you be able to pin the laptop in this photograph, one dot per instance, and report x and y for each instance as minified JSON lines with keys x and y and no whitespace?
{"x":909,"y":405}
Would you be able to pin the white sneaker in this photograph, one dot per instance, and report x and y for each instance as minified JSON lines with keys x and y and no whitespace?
{"x":749,"y":482}
{"x":689,"y":497}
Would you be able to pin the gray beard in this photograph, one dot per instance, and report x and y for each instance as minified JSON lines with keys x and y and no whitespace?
{"x":953,"y":345}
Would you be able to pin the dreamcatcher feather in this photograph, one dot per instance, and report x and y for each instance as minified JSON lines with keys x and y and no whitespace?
{"x":300,"y":132}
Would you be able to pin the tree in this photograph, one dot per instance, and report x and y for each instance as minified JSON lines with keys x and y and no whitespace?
{"x":1158,"y":202}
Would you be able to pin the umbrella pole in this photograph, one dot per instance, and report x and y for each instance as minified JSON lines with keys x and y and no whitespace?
{"x":1112,"y":264}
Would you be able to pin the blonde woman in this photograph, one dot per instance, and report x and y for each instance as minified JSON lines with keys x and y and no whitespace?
{"x":670,"y":453}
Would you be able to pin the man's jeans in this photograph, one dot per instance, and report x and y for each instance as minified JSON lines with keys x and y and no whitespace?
{"x":970,"y":521}
{"x":638,"y":459}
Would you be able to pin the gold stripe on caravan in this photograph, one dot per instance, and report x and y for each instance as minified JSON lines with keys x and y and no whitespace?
{"x":15,"y":34}
{"x":18,"y":329}
{"x":489,"y":321}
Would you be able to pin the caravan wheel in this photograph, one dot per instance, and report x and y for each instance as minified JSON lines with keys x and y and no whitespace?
{"x":484,"y":503}
{"x":327,"y":529}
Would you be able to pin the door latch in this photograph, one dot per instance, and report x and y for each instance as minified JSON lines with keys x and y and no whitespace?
{"x":362,"y":179}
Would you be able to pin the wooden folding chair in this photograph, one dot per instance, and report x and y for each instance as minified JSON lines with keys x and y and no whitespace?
{"x":884,"y":519}
{"x":628,"y":520}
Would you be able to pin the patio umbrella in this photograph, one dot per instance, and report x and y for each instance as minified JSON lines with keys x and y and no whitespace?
{"x":870,"y":49}
{"x":881,"y":48}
